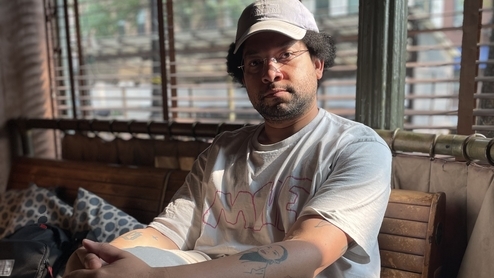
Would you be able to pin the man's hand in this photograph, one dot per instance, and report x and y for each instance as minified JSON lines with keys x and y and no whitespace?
{"x":104,"y":260}
{"x":82,"y":259}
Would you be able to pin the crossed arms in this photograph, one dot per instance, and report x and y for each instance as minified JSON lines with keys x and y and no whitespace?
{"x":311,"y":245}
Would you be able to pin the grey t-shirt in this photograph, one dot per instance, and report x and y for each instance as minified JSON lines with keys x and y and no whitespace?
{"x":241,"y":194}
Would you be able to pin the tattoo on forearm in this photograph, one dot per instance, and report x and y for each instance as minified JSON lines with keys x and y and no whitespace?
{"x":263,"y":257}
{"x":322,"y":223}
{"x":132,"y":235}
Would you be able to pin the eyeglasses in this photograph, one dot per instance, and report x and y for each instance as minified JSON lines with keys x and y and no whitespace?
{"x":256,"y":65}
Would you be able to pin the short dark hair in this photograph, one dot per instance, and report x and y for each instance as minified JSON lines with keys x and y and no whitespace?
{"x":320,"y":45}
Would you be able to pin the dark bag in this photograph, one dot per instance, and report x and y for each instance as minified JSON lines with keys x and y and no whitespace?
{"x":36,"y":250}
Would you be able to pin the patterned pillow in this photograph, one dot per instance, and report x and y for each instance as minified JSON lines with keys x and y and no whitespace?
{"x":93,"y":213}
{"x":33,"y":205}
{"x":9,"y":202}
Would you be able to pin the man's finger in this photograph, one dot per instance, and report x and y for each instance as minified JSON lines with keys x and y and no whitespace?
{"x":92,"y":261}
{"x":105,"y":251}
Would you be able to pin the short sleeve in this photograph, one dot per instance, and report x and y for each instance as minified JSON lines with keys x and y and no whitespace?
{"x":355,"y":194}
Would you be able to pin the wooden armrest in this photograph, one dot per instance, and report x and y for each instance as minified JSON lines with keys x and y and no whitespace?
{"x":410,"y":235}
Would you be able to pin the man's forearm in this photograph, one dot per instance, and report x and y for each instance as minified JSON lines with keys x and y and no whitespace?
{"x":292,"y":258}
{"x":144,"y":237}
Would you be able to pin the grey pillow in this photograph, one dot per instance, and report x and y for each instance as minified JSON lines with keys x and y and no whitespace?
{"x":93,"y":213}
{"x":32,"y":205}
{"x":9,"y":202}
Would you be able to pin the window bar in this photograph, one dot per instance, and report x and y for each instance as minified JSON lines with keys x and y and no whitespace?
{"x":469,"y":69}
{"x":80,"y":58}
{"x":171,"y":52}
{"x":69,"y":57}
{"x":161,"y":39}
{"x":49,"y":19}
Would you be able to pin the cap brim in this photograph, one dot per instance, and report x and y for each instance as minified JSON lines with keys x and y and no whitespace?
{"x":282,"y":27}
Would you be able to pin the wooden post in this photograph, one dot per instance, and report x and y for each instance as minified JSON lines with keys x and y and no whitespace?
{"x":469,"y":68}
{"x":382,"y":37}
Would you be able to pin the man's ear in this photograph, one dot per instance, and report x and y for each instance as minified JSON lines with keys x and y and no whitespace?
{"x":319,"y":67}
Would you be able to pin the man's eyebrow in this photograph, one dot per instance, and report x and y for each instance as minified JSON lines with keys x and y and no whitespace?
{"x":250,"y":52}
{"x":280,"y":47}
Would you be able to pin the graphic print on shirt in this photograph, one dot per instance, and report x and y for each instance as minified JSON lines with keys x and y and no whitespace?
{"x":256,"y":210}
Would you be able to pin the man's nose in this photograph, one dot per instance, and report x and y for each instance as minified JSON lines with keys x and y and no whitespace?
{"x":271,"y":71}
{"x":271,"y":63}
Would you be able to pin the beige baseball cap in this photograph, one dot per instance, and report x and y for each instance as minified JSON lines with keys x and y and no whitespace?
{"x":289,"y":17}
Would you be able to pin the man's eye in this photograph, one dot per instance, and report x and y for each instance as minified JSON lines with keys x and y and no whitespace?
{"x":285,"y":56}
{"x":255,"y":63}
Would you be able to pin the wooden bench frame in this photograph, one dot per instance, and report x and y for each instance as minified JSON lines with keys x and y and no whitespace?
{"x":409,"y":239}
{"x":142,"y":192}
{"x":411,"y":234}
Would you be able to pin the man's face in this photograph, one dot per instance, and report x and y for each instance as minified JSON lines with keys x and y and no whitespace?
{"x":271,"y":253}
{"x":284,"y":89}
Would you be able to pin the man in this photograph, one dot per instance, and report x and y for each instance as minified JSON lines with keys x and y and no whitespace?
{"x":301,"y":195}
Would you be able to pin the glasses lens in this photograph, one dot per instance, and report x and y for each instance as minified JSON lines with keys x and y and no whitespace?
{"x":257,"y":65}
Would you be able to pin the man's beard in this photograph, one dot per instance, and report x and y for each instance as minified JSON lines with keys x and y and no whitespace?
{"x":285,"y":111}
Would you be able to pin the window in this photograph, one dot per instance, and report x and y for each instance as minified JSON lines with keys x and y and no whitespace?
{"x":353,"y":6}
{"x":483,"y":87}
{"x":458,"y":17}
{"x":134,"y":59}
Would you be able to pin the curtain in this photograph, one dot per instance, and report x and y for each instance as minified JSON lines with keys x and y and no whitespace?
{"x":468,"y":241}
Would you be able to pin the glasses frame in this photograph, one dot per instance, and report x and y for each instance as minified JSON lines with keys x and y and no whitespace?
{"x":294,"y":54}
